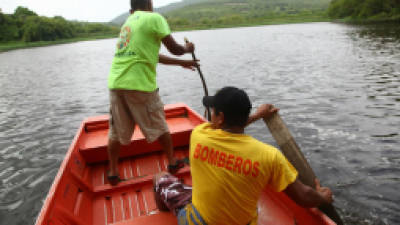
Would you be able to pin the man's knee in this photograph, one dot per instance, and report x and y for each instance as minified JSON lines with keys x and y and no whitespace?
{"x":113,"y":143}
{"x":165,"y":136}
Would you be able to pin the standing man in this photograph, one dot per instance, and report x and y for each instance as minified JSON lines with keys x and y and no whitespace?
{"x":230,"y":169}
{"x":134,"y":97}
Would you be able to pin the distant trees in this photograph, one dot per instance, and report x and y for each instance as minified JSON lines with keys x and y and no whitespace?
{"x":8,"y":28}
{"x":365,"y":9}
{"x":27,"y":26}
{"x":217,"y":13}
{"x":23,"y":13}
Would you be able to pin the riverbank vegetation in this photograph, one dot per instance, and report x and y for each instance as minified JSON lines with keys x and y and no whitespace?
{"x":365,"y":11}
{"x":206,"y":14}
{"x":25,"y":28}
{"x":228,"y":13}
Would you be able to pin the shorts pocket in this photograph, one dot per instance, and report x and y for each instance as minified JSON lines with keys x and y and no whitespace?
{"x":156,"y":113}
{"x":155,"y":107}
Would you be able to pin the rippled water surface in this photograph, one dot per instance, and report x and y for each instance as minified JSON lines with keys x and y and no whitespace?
{"x":337,"y":86}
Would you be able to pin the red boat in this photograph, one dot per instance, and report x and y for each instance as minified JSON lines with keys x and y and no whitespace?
{"x":81,"y":194}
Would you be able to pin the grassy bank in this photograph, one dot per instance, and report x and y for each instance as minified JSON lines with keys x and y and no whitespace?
{"x":271,"y":21}
{"x":8,"y":46}
{"x":289,"y":19}
{"x":368,"y":21}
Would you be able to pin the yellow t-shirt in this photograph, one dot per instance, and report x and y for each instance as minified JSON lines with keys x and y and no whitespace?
{"x":229,"y":172}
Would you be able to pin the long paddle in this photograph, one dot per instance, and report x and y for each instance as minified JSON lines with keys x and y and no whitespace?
{"x":293,"y":153}
{"x":202,"y":81}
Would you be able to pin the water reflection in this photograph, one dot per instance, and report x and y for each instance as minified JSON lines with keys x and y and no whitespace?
{"x":383,"y":33}
{"x":377,"y":50}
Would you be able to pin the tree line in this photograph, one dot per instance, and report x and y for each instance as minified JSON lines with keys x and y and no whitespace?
{"x":220,"y":13}
{"x":235,"y":12}
{"x":26,"y":25}
{"x":365,"y":9}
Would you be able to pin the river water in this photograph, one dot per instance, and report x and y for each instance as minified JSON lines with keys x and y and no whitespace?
{"x":337,"y":87}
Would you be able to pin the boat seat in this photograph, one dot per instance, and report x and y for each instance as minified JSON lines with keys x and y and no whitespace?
{"x":93,"y":145}
{"x":161,"y":218}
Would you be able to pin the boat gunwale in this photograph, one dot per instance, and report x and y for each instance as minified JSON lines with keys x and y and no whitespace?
{"x":45,"y":210}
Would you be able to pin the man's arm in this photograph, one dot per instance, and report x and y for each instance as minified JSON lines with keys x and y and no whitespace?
{"x":307,"y":197}
{"x":302,"y":194}
{"x":175,"y":48}
{"x":264,"y":110}
{"x":189,"y":64}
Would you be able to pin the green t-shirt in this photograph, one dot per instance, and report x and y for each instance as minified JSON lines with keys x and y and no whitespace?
{"x":136,"y":56}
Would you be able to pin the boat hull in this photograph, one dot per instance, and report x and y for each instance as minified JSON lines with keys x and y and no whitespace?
{"x":81,"y":194}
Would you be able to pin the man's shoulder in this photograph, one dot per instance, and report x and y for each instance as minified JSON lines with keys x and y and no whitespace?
{"x":200,"y":127}
{"x":144,"y":15}
{"x":153,"y":15}
{"x":156,"y":14}
{"x":263,"y":147}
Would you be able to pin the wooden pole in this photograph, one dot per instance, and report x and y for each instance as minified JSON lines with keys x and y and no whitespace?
{"x":291,"y":150}
{"x":203,"y":82}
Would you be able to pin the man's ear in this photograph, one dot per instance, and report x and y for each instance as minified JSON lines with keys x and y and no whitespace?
{"x":220,"y":119}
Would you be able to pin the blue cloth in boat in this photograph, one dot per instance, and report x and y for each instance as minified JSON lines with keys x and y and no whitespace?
{"x":190,"y":216}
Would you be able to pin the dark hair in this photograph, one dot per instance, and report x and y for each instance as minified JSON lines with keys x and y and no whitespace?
{"x":139,"y":4}
{"x":233,"y":102}
{"x":235,"y":118}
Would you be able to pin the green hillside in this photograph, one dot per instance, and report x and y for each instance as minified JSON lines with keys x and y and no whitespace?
{"x":193,"y":14}
{"x":225,"y":13}
{"x":163,"y":10}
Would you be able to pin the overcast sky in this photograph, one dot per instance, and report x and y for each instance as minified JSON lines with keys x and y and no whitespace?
{"x":83,"y":10}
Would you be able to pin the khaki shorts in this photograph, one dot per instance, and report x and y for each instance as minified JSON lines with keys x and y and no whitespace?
{"x":128,"y":108}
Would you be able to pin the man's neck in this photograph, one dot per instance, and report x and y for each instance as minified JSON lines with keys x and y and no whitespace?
{"x":147,"y":10}
{"x":234,"y":130}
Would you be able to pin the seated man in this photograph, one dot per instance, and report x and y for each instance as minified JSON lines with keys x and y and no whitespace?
{"x":230,"y":169}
